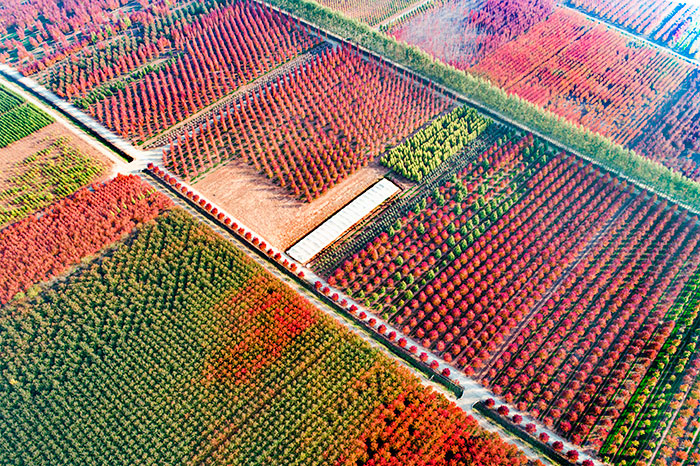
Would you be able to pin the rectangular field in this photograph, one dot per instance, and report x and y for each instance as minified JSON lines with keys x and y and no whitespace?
{"x":43,"y":167}
{"x":180,"y":350}
{"x":39,"y":248}
{"x":205,"y":57}
{"x":313,"y":127}
{"x":462,"y":32}
{"x":590,"y":75}
{"x":18,"y":118}
{"x":671,"y":23}
{"x":554,"y":284}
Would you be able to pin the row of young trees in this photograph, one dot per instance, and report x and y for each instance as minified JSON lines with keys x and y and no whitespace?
{"x":217,"y":53}
{"x":20,"y":122}
{"x":313,"y":127}
{"x":680,"y":445}
{"x":673,"y":135}
{"x":582,"y":356}
{"x":423,"y":152}
{"x":47,"y":27}
{"x":372,"y":13}
{"x":104,"y":64}
{"x":18,"y":118}
{"x":522,"y":56}
{"x":180,"y":349}
{"x":655,"y":404}
{"x":643,"y":17}
{"x":643,"y":424}
{"x":8,"y":100}
{"x":75,"y":77}
{"x":118,"y":42}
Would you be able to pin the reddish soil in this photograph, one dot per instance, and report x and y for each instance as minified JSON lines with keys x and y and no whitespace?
{"x":38,"y":140}
{"x":273,"y":212}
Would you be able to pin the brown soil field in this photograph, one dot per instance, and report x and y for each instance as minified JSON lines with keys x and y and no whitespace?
{"x":38,"y":140}
{"x":273,"y":212}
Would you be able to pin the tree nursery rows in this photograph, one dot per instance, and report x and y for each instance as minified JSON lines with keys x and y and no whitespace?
{"x":480,"y":291}
{"x":49,"y":174}
{"x":191,"y":353}
{"x":38,"y":248}
{"x":585,"y":72}
{"x":18,"y":118}
{"x":373,"y":13}
{"x":335,"y":113}
{"x":553,"y":283}
{"x":673,"y":24}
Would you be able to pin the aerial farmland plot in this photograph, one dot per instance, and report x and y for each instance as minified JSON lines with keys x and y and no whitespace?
{"x":672,"y":24}
{"x":41,"y":160}
{"x":599,"y":72}
{"x":444,"y":232}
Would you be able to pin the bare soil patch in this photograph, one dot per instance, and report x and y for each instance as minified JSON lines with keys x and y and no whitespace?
{"x":41,"y":139}
{"x":272,"y":211}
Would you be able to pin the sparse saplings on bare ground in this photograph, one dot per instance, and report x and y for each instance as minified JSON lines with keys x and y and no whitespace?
{"x":313,"y":127}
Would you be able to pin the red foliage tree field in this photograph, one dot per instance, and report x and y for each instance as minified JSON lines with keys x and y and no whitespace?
{"x":314,"y":127}
{"x":50,"y":28}
{"x":373,"y":12}
{"x":672,"y":137}
{"x":578,"y":361}
{"x":545,"y":278}
{"x":417,"y":418}
{"x":217,"y":53}
{"x":599,"y":79}
{"x":670,"y":23}
{"x":44,"y":245}
{"x":462,"y":32}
